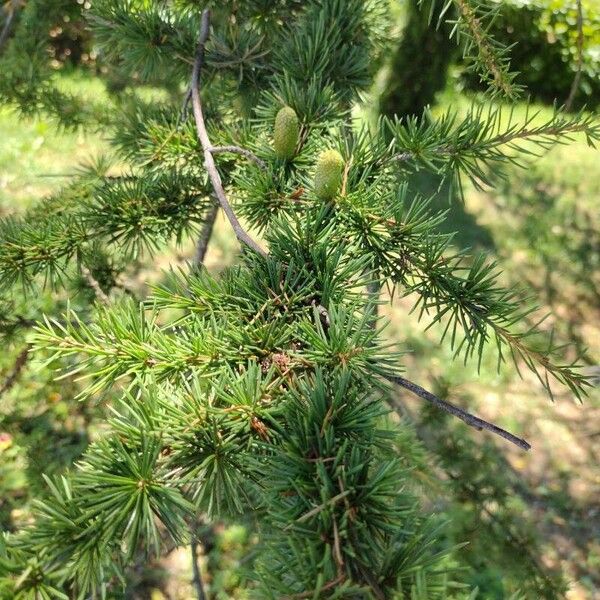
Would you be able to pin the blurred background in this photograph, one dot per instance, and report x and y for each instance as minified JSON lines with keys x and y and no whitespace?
{"x":532,"y":521}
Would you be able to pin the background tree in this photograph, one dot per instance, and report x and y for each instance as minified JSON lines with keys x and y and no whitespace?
{"x":419,"y":65}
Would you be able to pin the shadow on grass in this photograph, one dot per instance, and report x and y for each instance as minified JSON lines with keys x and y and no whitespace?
{"x":468,"y":232}
{"x":497,"y":506}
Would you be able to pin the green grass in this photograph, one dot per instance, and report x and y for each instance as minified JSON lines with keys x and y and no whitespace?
{"x":35,"y":157}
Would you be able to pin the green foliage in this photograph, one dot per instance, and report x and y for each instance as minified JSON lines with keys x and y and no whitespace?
{"x":545,"y":52}
{"x":353,"y":32}
{"x":145,"y":39}
{"x":482,"y":141}
{"x":27,"y":74}
{"x":132,"y":211}
{"x":261,"y":393}
{"x":485,"y":56}
{"x":238,"y":420}
{"x":340,"y":508}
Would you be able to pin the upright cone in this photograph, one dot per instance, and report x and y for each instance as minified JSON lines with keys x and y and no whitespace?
{"x":287,"y":129}
{"x":328,"y":174}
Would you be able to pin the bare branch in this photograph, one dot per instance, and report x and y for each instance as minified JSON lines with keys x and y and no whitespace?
{"x":209,"y":162}
{"x":318,"y":509}
{"x":374,"y":292}
{"x":323,"y":314}
{"x":577,"y":79}
{"x":93,"y":283}
{"x":197,"y":580}
{"x":242,"y":151}
{"x":183,"y":115}
{"x":9,"y":323}
{"x":459,"y":413}
{"x":402,"y":156}
{"x":205,"y":234}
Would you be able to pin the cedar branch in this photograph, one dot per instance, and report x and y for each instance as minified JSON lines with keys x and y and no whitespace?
{"x":205,"y":234}
{"x":197,"y":579}
{"x":209,"y":162}
{"x":459,"y":413}
{"x":242,"y":151}
{"x":95,"y":285}
{"x":11,"y":9}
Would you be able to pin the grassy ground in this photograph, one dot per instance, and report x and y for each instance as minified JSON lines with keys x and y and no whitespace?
{"x":543,"y":224}
{"x":35,"y":157}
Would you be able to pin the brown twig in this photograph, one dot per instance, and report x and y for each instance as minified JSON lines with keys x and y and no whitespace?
{"x":373,"y":293}
{"x":323,"y":314}
{"x":209,"y":161}
{"x":185,"y":105}
{"x":93,"y":283}
{"x":8,"y":325}
{"x":16,"y":371}
{"x":337,"y":552}
{"x":205,"y":234}
{"x":543,"y":131}
{"x":242,"y":151}
{"x":577,"y":78}
{"x":459,"y":413}
{"x":310,"y":594}
{"x":315,"y":511}
{"x":345,"y":177}
{"x":197,"y":577}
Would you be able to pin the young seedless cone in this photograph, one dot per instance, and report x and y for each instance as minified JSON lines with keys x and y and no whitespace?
{"x":287,"y":128}
{"x":328,"y":174}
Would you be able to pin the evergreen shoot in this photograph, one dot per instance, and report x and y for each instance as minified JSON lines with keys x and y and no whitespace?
{"x":265,"y":393}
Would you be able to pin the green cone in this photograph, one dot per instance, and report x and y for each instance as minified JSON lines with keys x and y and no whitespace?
{"x":287,"y":129}
{"x":328,"y":174}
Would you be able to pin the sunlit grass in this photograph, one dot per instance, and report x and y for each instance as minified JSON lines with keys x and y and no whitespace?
{"x":37,"y":157}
